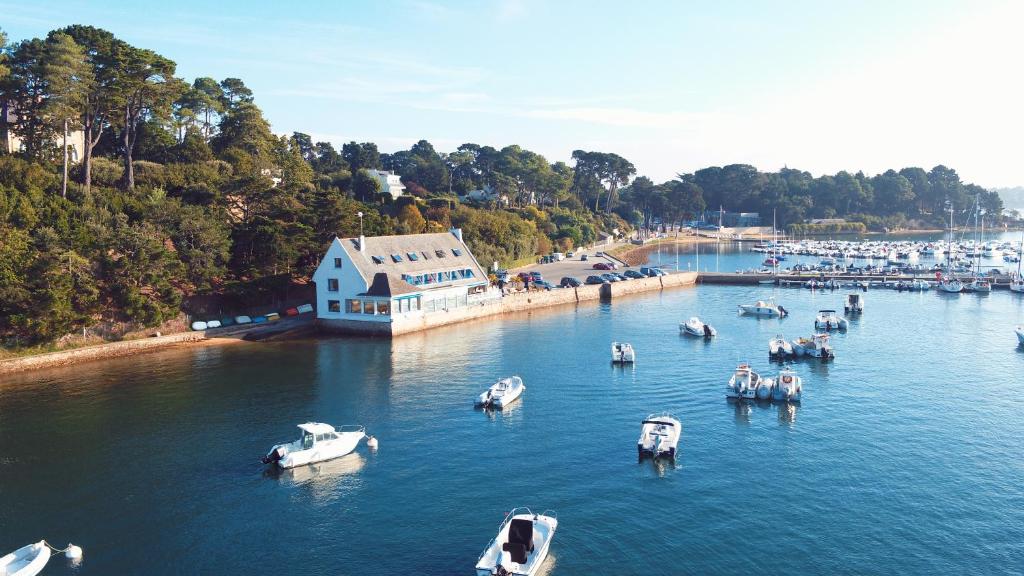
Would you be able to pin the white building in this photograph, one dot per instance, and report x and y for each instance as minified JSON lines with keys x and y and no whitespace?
{"x":387,"y":284}
{"x":390,"y":183}
{"x":485,"y":194}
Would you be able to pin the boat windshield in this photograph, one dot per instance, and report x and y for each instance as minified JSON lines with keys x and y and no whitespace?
{"x":307,"y":440}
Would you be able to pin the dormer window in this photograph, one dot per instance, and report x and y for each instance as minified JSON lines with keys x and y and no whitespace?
{"x":457,"y":252}
{"x":377,"y":259}
{"x":412,"y":256}
{"x":396,"y":258}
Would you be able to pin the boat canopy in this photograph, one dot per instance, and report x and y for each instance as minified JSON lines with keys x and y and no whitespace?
{"x":316,"y":428}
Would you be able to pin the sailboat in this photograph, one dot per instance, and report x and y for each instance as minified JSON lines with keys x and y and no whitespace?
{"x":949,"y":283}
{"x":1016,"y":281}
{"x":980,"y":284}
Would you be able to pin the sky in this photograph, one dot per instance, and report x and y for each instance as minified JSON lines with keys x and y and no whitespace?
{"x":672,"y":86}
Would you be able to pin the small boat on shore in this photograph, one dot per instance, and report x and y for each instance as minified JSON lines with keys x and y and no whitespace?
{"x":521,"y":545}
{"x":763,"y":308}
{"x":659,"y":436}
{"x":830,"y":320}
{"x":743,"y":384}
{"x":788,"y":387}
{"x":694,"y":327}
{"x":623,"y":353}
{"x":501,"y":393}
{"x":779,"y":348}
{"x":817,"y":346}
{"x":854,"y":304}
{"x":317,"y":443}
{"x":26,"y":561}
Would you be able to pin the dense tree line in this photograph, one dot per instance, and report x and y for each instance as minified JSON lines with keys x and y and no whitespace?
{"x":182,"y":188}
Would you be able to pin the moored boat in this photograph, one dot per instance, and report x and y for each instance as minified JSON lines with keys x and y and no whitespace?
{"x":659,"y":436}
{"x":817,"y":346}
{"x":788,"y":386}
{"x":779,"y":348}
{"x":695,"y":327}
{"x":501,"y":393}
{"x":743,"y":384}
{"x":26,"y":561}
{"x":623,"y":353}
{"x":317,"y":443}
{"x":763,"y":308}
{"x":830,"y":320}
{"x":521,"y":545}
{"x":854,"y":304}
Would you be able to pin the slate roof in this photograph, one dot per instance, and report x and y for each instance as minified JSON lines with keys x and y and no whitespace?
{"x":385,"y":284}
{"x":424,"y":246}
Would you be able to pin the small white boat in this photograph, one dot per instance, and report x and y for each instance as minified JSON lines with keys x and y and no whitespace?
{"x":829,"y":320}
{"x":920,"y":286}
{"x":743,"y":384}
{"x":26,"y":561}
{"x":521,"y":545}
{"x":243,"y":320}
{"x":622,"y":353}
{"x":199,"y":325}
{"x":980,"y":285}
{"x":1020,"y":334}
{"x":951,"y":285}
{"x":816,"y":346}
{"x":854,"y":304}
{"x":779,"y":348}
{"x":694,"y":327}
{"x":659,"y":436}
{"x":788,"y":387}
{"x":502,"y":393}
{"x":317,"y":443}
{"x":763,"y":308}
{"x":213,"y":324}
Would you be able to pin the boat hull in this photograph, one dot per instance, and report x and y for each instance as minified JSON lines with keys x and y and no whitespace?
{"x":322,"y":452}
{"x":26,"y":561}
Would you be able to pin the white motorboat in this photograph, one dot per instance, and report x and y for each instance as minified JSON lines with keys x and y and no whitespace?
{"x":743,"y":384}
{"x":816,"y":346}
{"x":26,"y":561}
{"x":763,"y":308}
{"x":501,"y":393}
{"x":659,"y":436}
{"x":622,"y":353}
{"x":830,"y":320}
{"x":788,"y":387}
{"x":694,"y":327}
{"x":317,"y":443}
{"x":521,"y":545}
{"x":779,"y":348}
{"x":854,"y":304}
{"x":1020,"y":334}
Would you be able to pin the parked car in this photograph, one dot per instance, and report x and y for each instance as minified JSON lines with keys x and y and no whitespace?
{"x":599,"y":254}
{"x":652,"y":271}
{"x":569,"y":254}
{"x":583,"y":258}
{"x":619,"y":276}
{"x":536,"y":276}
{"x":595,"y":280}
{"x":602,"y":266}
{"x":570,"y":282}
{"x":524,"y":276}
{"x":633,"y":274}
{"x":610,"y":277}
{"x":543,"y":285}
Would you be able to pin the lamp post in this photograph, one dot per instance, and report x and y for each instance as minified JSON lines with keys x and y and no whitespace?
{"x":360,"y":214}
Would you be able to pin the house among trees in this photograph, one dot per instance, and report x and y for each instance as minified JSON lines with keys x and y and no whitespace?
{"x":390,"y":183}
{"x":388,"y":284}
{"x":10,"y":142}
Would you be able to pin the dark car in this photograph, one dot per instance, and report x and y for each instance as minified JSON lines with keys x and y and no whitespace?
{"x":570,"y":282}
{"x":610,"y":277}
{"x":595,"y":280}
{"x":543,"y":285}
{"x":583,"y":257}
{"x":633,"y":274}
{"x":536,"y":276}
{"x":602,"y":266}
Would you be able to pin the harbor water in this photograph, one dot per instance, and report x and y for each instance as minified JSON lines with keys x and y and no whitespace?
{"x":903,"y":458}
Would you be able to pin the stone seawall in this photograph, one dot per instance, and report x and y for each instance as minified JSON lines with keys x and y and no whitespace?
{"x":516,"y":302}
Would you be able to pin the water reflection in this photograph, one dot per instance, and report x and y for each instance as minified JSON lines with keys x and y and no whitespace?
{"x":787,"y":413}
{"x":742,"y":410}
{"x":324,"y":478}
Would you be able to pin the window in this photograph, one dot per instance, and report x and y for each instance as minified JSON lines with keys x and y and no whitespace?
{"x":368,"y":307}
{"x":440,"y":253}
{"x":337,"y":262}
{"x":396,"y":258}
{"x":457,"y":252}
{"x":334,"y":305}
{"x":377,"y":259}
{"x":353,"y":306}
{"x":412,"y":256}
{"x":384,"y":307}
{"x":332,"y":284}
{"x":426,"y":255}
{"x":469,"y":273}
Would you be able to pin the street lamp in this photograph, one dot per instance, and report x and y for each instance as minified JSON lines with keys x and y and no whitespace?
{"x":360,"y":214}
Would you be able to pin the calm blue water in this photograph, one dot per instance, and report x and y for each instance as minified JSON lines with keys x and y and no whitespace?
{"x":905,"y":457}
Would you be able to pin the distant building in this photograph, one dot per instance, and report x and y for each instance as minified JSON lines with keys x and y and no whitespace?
{"x":390,"y":183}
{"x":827,"y":221}
{"x":732,"y":219}
{"x":10,"y":143}
{"x":485,"y":194}
{"x":379,"y":284}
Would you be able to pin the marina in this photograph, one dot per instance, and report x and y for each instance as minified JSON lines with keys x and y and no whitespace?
{"x":842,"y":443}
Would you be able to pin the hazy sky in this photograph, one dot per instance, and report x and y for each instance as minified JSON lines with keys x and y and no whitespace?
{"x":672,"y":86}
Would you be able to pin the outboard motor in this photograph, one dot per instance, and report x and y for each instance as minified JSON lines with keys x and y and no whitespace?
{"x":707,"y":331}
{"x":783,"y":311}
{"x":275,"y":455}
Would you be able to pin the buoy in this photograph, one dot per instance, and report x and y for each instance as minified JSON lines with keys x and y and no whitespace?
{"x":73,"y":552}
{"x":371,"y":442}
